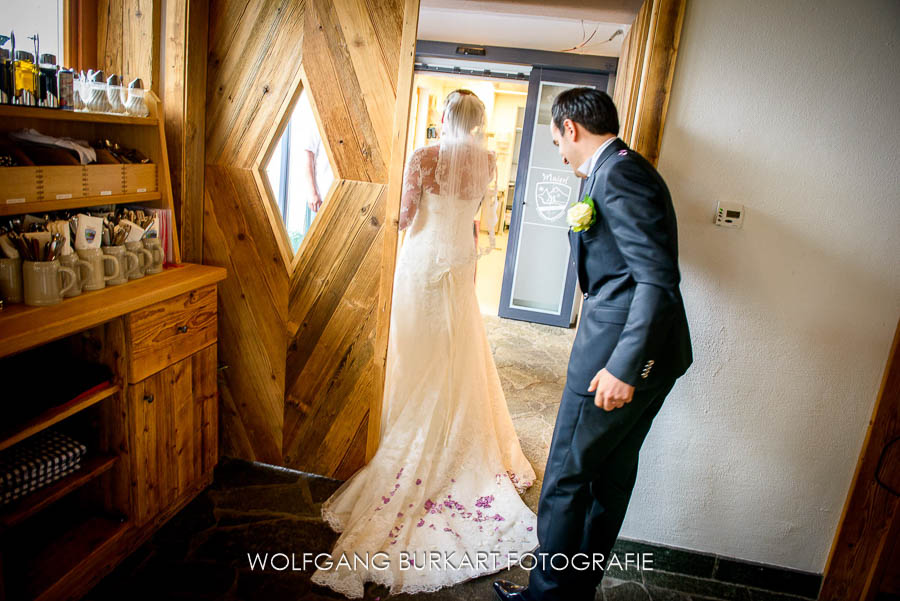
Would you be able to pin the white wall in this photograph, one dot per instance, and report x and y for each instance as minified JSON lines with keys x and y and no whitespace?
{"x":43,"y":17}
{"x":793,"y":109}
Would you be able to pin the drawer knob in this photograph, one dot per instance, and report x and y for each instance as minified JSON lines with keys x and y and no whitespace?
{"x":148,"y":398}
{"x":183,"y":329}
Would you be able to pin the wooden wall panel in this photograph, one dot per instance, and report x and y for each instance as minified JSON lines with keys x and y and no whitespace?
{"x":299,"y":336}
{"x":184,"y":106}
{"x":334,"y":375}
{"x":252,"y":306}
{"x":128,"y":40}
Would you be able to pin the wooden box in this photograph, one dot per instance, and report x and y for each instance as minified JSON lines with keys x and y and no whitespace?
{"x":140,"y":178}
{"x":19,"y":185}
{"x":104,"y":180}
{"x":62,"y":182}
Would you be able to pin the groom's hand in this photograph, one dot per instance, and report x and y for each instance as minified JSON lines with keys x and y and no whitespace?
{"x":609,"y":391}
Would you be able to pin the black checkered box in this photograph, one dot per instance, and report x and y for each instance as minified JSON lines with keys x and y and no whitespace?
{"x":36,"y":462}
{"x":8,"y":495}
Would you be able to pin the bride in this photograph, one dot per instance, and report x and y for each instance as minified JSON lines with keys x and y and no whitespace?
{"x":439,"y":502}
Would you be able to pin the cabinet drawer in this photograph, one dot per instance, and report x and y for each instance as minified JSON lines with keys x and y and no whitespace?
{"x":169,"y":331}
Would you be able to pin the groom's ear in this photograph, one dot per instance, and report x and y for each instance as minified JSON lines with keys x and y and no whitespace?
{"x":570,"y":129}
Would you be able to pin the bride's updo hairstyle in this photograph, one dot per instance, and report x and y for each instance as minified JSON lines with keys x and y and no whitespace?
{"x":463,"y":168}
{"x":463,"y":116}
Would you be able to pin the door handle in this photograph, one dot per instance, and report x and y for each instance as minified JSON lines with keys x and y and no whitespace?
{"x":148,"y":398}
{"x":182,"y":329}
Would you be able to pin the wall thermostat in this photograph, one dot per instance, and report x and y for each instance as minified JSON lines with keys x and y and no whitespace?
{"x":729,"y":214}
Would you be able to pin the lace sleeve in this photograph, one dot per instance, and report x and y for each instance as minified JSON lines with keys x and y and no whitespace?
{"x":492,"y":204}
{"x":412,"y":189}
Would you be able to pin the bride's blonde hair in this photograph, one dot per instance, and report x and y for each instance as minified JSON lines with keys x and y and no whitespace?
{"x":464,"y":116}
{"x":463,"y":166}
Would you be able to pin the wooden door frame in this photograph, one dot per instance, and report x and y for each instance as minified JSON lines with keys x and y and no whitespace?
{"x":863,"y":542}
{"x":652,"y":45}
{"x":405,"y":77}
{"x":645,"y":74}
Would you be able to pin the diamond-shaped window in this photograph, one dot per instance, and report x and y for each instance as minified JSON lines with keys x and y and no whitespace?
{"x":298,"y":171}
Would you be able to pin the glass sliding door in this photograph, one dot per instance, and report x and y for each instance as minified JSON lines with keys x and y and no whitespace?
{"x":539,"y":275}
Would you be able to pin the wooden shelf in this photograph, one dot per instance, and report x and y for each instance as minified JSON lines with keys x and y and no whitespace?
{"x":21,"y":509}
{"x":54,"y":415}
{"x":64,"y":560}
{"x":42,"y":206}
{"x":25,"y":112}
{"x":23,"y":327}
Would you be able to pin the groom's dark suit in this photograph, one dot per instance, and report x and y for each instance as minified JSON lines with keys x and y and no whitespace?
{"x":633,"y":324}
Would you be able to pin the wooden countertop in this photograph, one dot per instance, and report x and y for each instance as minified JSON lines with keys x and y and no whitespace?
{"x":23,"y":327}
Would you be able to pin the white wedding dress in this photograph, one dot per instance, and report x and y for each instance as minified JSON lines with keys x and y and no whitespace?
{"x":449,"y":470}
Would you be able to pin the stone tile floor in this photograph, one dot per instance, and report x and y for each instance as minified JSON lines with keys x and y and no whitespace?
{"x":202,"y":552}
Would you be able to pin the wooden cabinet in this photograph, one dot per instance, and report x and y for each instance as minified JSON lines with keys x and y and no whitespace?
{"x":152,"y":433}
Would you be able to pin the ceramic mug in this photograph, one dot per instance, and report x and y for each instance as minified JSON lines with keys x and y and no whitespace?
{"x":45,"y":282}
{"x":155,"y":248}
{"x":84,"y":272}
{"x":145,"y":259}
{"x":11,"y":280}
{"x":100,"y":264}
{"x":128,"y":261}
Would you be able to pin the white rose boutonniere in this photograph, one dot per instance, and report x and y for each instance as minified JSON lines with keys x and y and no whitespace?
{"x":581,"y":215}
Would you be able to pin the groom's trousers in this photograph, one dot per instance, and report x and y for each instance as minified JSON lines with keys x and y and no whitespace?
{"x":590,"y":474}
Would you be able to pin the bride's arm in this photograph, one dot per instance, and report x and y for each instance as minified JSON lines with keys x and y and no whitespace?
{"x":412,"y":189}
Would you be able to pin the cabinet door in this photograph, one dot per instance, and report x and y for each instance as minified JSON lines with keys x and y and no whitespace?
{"x":174,"y":425}
{"x":205,"y":425}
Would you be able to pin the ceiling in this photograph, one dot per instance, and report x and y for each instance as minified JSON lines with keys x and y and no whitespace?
{"x":578,"y":26}
{"x":601,"y":11}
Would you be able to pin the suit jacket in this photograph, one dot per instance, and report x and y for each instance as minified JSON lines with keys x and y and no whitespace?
{"x":633,"y":321}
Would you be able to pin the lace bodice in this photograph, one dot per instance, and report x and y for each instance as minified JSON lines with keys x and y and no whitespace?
{"x":421,"y":178}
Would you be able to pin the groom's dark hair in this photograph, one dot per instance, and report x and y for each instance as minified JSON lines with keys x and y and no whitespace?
{"x":592,"y":109}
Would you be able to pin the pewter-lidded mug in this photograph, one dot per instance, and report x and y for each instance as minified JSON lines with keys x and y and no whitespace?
{"x":103,"y":268}
{"x":45,"y":282}
{"x":84,"y":272}
{"x":11,"y":280}
{"x":155,"y":247}
{"x":145,"y":259}
{"x":128,"y":262}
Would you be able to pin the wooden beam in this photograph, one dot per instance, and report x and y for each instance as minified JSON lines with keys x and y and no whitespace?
{"x":128,"y":39}
{"x":392,"y":211}
{"x":644,"y":81}
{"x":187,"y":23}
{"x":659,"y":69}
{"x":862,"y":545}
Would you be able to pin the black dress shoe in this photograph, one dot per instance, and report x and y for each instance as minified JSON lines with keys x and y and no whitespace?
{"x":510,"y":591}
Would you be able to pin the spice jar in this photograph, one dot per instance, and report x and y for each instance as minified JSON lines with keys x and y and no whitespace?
{"x":48,"y":91}
{"x":26,"y":77}
{"x":6,"y":77}
{"x":65,"y":84}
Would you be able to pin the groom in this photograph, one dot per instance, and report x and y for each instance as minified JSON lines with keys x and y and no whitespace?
{"x":632,"y":343}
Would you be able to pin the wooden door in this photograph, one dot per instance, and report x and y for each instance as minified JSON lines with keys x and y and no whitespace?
{"x":173,"y":418}
{"x":302,"y":335}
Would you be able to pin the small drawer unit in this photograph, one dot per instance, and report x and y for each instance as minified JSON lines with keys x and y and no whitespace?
{"x":169,"y":331}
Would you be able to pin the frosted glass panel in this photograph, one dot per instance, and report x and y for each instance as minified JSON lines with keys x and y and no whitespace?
{"x":542,"y":256}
